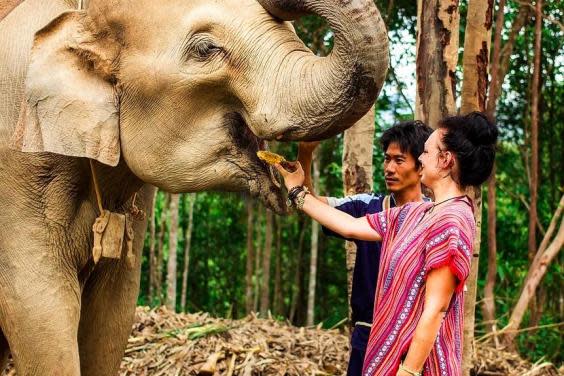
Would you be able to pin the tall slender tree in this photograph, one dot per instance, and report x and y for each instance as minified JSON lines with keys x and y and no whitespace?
{"x":160,"y":249}
{"x":265,"y":285}
{"x":474,"y":89}
{"x":538,"y":256}
{"x":297,"y":291}
{"x":547,"y":251}
{"x":498,"y":68}
{"x":258,"y":255}
{"x":534,"y":135}
{"x":172,"y":245}
{"x":191,"y":198}
{"x":358,"y":145}
{"x":436,"y":59}
{"x":278,"y":298}
{"x":249,"y":302}
{"x":521,"y":19}
{"x":152,"y":256}
{"x":314,"y":249}
{"x":488,"y":306}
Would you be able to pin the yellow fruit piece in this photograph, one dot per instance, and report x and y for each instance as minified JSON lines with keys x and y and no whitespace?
{"x":269,"y":157}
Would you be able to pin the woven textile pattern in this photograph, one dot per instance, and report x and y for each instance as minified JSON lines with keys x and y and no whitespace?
{"x":416,"y":240}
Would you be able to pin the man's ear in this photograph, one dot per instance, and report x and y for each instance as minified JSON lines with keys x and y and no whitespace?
{"x":71,"y":104}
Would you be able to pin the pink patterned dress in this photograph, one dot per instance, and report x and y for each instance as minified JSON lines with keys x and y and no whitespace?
{"x":413,"y":243}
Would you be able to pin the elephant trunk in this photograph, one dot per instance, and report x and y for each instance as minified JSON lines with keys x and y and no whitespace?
{"x":330,"y":94}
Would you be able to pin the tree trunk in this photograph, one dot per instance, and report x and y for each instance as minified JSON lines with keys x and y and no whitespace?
{"x":265,"y":286}
{"x":314,"y":250}
{"x":537,"y":311}
{"x":358,"y":146}
{"x":534,"y":160}
{"x":499,"y":67}
{"x":533,"y":183}
{"x":488,"y":307}
{"x":476,"y":55}
{"x":474,"y":89}
{"x":298,"y":275}
{"x":278,"y":299}
{"x":507,"y":49}
{"x":172,"y":245}
{"x":249,"y":303}
{"x":258,"y":259}
{"x":187,"y":244}
{"x":501,"y":55}
{"x":160,"y":250}
{"x":436,"y":60}
{"x":536,"y":272}
{"x":152,"y":258}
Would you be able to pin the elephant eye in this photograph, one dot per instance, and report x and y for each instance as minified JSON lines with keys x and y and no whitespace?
{"x":201,"y":48}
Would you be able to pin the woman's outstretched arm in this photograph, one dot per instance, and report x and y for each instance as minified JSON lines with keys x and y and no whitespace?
{"x":342,"y":223}
{"x":439,"y":288}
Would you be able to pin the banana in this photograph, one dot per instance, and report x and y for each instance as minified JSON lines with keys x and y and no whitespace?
{"x":269,"y":157}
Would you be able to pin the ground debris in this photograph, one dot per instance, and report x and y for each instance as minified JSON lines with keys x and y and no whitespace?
{"x":255,"y":346}
{"x":165,"y":343}
{"x":493,"y":362}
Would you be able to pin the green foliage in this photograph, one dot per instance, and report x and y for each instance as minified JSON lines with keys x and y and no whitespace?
{"x":513,"y":190}
{"x":216,"y":281}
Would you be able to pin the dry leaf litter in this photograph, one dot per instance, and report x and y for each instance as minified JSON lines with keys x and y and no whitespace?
{"x":168,"y":343}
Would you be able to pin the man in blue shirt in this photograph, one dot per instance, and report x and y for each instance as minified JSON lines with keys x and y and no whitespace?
{"x":402,"y":144}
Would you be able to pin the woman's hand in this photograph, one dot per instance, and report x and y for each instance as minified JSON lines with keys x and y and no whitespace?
{"x":291,"y":179}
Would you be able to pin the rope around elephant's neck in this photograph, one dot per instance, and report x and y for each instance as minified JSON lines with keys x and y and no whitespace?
{"x":96,"y":187}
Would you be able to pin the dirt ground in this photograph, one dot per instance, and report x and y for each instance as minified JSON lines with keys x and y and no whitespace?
{"x":166,"y":343}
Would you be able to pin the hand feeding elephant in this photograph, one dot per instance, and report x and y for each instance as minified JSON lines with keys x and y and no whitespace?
{"x":176,"y":94}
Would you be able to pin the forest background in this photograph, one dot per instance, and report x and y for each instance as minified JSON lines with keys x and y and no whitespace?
{"x":226,"y":254}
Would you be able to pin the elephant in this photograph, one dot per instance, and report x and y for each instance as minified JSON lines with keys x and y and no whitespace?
{"x":104,"y":101}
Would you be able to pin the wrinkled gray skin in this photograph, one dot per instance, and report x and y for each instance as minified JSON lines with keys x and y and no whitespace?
{"x":176,"y":94}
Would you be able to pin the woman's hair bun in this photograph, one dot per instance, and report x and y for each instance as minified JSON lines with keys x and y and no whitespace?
{"x":480,"y":130}
{"x":472,"y":139}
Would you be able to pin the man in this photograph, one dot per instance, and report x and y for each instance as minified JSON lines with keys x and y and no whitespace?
{"x":402,"y":144}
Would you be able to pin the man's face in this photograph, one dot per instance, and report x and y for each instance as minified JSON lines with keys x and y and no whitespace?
{"x":400,"y":170}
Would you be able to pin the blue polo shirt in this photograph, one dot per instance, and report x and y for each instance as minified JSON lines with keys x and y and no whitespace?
{"x":367,"y":261}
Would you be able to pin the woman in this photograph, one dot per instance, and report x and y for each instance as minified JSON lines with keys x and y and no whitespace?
{"x":426,"y":252}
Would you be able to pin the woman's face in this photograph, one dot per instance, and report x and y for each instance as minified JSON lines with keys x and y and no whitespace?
{"x":432,"y":160}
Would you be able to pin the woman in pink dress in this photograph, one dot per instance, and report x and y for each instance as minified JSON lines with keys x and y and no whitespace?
{"x":426,"y":252}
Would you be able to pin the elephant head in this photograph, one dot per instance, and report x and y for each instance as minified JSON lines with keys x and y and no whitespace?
{"x":186,"y":92}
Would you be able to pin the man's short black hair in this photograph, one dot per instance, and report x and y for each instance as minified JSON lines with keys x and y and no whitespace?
{"x":410,"y":136}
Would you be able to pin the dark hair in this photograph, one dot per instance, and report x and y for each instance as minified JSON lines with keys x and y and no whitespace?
{"x":410,"y":136}
{"x":472,"y":139}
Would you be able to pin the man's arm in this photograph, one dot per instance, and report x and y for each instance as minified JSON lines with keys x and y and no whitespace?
{"x":305,"y":156}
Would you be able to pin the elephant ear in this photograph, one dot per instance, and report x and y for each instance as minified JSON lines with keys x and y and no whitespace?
{"x":71,"y":104}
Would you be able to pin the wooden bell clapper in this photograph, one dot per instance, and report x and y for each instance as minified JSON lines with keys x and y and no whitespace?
{"x":113,"y":231}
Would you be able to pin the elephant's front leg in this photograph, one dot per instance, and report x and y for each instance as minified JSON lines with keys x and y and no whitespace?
{"x":39,"y":314}
{"x":108,"y":310}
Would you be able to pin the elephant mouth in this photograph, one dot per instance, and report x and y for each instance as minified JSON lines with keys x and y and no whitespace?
{"x":262,"y":181}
